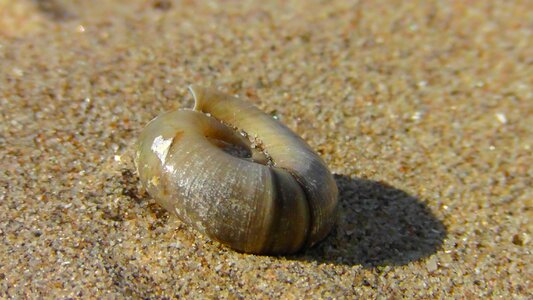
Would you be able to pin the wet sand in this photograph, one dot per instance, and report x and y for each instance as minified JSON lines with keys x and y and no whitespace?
{"x":422,"y":109}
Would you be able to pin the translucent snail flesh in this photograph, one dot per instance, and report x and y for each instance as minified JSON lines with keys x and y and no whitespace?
{"x":263,"y":192}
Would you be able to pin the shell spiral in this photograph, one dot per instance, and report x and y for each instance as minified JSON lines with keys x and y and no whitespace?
{"x":272,"y":196}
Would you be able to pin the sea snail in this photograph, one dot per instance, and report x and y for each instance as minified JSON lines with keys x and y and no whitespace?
{"x":237,"y":175}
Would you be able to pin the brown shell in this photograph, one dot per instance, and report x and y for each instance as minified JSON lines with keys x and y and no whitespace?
{"x":274,"y":196}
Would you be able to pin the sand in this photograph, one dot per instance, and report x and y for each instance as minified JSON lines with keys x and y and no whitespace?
{"x":422,"y":109}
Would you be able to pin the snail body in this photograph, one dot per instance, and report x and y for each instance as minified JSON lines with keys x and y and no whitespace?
{"x":272,"y":196}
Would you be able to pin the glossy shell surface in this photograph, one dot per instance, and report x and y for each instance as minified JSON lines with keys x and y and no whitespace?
{"x":237,"y":175}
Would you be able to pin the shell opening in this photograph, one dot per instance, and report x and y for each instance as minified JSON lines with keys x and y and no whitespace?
{"x":246,"y":149}
{"x":232,"y":149}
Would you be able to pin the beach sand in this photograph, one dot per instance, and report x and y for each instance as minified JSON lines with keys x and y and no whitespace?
{"x":422,"y":109}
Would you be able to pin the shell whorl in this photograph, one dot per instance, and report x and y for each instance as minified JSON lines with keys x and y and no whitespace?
{"x":274,"y":201}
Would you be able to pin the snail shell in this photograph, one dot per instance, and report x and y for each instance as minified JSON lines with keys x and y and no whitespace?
{"x":263,"y":192}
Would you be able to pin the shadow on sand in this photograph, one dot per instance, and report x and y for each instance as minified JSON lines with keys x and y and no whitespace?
{"x":378,"y":225}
